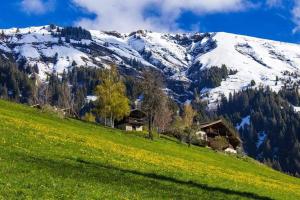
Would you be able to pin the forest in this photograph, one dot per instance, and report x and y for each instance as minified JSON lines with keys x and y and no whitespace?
{"x":272,"y":136}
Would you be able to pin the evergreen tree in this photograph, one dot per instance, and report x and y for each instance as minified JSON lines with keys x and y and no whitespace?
{"x":15,"y":83}
{"x":272,"y":135}
{"x":75,"y":33}
{"x":52,"y":26}
{"x":36,"y":69}
{"x":60,"y":41}
{"x":2,"y":35}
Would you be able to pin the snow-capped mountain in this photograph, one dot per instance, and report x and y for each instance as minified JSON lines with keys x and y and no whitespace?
{"x":178,"y":56}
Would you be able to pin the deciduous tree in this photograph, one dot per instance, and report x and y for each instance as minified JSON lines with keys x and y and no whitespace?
{"x":188,"y":115}
{"x":188,"y":119}
{"x":163,"y":118}
{"x":152,"y":85}
{"x":112,"y":102}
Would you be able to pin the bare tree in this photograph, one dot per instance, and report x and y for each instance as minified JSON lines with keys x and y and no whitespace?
{"x":152,"y":85}
{"x":163,"y":118}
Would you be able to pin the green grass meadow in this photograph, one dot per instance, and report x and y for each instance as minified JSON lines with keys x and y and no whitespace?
{"x":45,"y":157}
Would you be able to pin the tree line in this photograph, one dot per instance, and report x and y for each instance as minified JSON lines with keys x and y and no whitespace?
{"x":15,"y":83}
{"x":74,"y":33}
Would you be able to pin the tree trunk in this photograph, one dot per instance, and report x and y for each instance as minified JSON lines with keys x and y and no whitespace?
{"x":150,"y":127}
{"x":111,"y":120}
{"x":189,"y":138}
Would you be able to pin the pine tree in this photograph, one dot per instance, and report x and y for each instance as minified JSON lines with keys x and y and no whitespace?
{"x":2,"y":35}
{"x":60,"y":40}
{"x":55,"y":59}
{"x":74,"y":63}
{"x":36,"y":69}
{"x":52,"y":26}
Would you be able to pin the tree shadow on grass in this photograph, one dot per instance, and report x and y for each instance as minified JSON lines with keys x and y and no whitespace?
{"x":177,"y":181}
{"x":91,"y":170}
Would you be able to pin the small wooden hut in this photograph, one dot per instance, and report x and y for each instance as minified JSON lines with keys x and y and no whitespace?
{"x":134,"y":122}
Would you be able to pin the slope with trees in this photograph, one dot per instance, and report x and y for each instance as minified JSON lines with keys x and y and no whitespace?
{"x":271,"y":135}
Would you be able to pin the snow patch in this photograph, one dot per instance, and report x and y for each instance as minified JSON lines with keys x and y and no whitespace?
{"x":91,"y":98}
{"x":297,"y":108}
{"x":245,"y":121}
{"x":27,"y":51}
{"x":3,"y":47}
{"x":261,"y":138}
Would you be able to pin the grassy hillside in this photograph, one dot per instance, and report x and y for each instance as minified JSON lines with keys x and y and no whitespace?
{"x":42,"y":156}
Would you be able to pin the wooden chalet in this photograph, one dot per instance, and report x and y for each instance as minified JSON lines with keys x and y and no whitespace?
{"x":134,"y":122}
{"x":208,"y":131}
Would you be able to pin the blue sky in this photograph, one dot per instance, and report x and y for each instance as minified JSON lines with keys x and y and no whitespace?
{"x":271,"y":19}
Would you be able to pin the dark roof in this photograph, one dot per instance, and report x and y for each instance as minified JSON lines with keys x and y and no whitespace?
{"x":207,"y":124}
{"x":219,"y":125}
{"x":136,"y":118}
{"x":136,"y":113}
{"x":220,"y":121}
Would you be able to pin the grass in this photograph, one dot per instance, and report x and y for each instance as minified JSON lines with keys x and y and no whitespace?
{"x":44,"y":157}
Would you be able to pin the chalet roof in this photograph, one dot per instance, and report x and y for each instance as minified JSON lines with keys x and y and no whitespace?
{"x":136,"y":113}
{"x":208,"y":124}
{"x":135,"y":118}
{"x":220,"y":121}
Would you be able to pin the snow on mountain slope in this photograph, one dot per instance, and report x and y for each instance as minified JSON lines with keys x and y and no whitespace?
{"x":254,"y":59}
{"x":268,"y":63}
{"x":163,"y":50}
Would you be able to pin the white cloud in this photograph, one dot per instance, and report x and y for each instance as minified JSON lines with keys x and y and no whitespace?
{"x":129,"y":15}
{"x":37,"y":6}
{"x":294,"y":10}
{"x":296,"y":16}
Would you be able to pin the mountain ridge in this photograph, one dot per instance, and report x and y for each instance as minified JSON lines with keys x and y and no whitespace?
{"x":178,"y":56}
